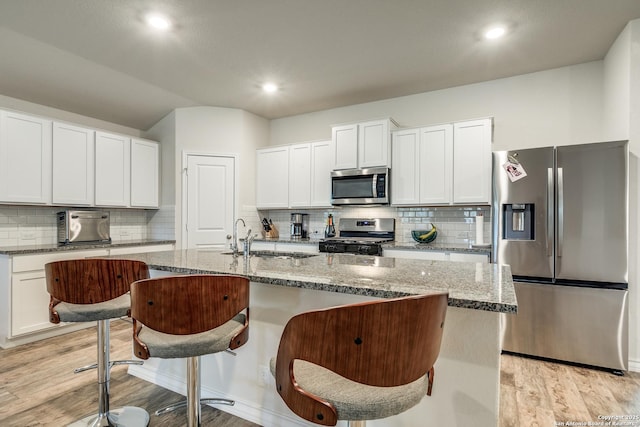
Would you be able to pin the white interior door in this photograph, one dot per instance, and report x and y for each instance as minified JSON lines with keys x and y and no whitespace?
{"x":210,"y":200}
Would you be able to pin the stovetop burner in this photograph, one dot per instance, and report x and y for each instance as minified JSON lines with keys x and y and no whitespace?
{"x":362,"y":240}
{"x":360,"y":236}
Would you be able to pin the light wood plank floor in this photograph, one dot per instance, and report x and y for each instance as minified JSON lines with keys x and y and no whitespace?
{"x":38,"y":388}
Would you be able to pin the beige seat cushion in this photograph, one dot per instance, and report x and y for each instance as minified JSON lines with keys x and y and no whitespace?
{"x":167,"y":346}
{"x":354,"y":401}
{"x":112,"y":309}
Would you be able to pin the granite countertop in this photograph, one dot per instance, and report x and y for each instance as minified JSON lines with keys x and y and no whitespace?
{"x":478,"y":286}
{"x":439,"y":247}
{"x":38,"y":249}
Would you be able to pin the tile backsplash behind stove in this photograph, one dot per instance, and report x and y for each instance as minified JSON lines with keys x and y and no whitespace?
{"x":456,"y":225}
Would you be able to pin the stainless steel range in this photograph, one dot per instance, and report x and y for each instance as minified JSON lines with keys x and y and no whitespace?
{"x":360,"y":236}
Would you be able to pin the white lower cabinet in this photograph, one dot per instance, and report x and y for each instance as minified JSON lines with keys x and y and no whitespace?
{"x":29,"y":299}
{"x":29,"y":302}
{"x":25,"y":300}
{"x":435,"y":255}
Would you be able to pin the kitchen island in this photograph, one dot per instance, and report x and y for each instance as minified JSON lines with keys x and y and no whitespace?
{"x":466,"y":387}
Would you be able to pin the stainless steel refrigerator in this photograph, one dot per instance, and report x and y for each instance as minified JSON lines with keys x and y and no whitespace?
{"x":561,"y":220}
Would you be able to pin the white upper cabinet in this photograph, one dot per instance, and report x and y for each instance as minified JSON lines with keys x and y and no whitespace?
{"x":73,"y":165}
{"x":374,"y":146}
{"x":436,"y":162}
{"x":442,"y":165}
{"x":272,"y":177}
{"x":362,"y":145}
{"x":472,"y":162}
{"x":294,"y":176}
{"x":145,"y":173}
{"x":113,"y":170}
{"x":299,"y":175}
{"x":25,"y":159}
{"x":345,"y":142}
{"x":321,"y":173}
{"x":405,"y":169}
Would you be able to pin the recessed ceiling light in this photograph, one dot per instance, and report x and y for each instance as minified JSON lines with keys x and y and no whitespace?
{"x":495,"y":32}
{"x":270,"y":87}
{"x":158,"y":22}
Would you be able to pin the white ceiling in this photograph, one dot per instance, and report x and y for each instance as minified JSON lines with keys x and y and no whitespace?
{"x":97,"y":58}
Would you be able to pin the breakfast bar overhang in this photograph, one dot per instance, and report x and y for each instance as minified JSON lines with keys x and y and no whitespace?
{"x":467,"y":373}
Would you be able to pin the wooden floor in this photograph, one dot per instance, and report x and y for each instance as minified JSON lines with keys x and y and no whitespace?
{"x":541,"y":393}
{"x":38,"y":388}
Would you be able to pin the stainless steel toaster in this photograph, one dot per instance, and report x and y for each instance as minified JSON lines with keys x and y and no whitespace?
{"x":83,"y":226}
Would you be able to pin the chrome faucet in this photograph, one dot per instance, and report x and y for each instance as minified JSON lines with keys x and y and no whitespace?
{"x":246,"y":250}
{"x":234,"y":242}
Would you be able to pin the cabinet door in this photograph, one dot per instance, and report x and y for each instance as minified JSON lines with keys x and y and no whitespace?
{"x":472,"y":162}
{"x":113,"y":163}
{"x":300,"y":175}
{"x":73,"y":165}
{"x":345,"y":144}
{"x":25,"y":159}
{"x":321,"y":173}
{"x":272,"y":175}
{"x":145,"y":163}
{"x":373,"y":144}
{"x":405,"y":169}
{"x":435,"y":164}
{"x":29,"y":302}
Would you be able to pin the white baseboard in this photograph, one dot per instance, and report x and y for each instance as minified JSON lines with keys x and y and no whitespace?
{"x":242,"y":409}
{"x":634,"y":365}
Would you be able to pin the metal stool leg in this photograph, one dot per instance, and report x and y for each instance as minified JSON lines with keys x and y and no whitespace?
{"x":193,"y":402}
{"x":127,"y":416}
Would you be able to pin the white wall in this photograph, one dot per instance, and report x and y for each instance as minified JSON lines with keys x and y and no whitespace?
{"x":554,"y":107}
{"x":210,"y":130}
{"x":617,"y":85}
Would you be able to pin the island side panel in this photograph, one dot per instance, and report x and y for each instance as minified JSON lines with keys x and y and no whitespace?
{"x":466,"y":388}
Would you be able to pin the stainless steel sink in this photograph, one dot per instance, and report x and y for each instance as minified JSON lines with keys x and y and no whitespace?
{"x":276,"y":255}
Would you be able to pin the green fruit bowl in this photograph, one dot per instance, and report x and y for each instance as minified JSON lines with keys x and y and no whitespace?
{"x":417,"y":233}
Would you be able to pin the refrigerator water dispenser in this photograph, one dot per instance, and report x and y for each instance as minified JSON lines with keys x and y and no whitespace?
{"x":518,"y":221}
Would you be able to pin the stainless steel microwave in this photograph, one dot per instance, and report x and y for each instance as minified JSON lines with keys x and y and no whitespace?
{"x":360,"y":186}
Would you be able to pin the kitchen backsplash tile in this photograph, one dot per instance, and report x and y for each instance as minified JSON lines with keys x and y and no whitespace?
{"x":161,"y":223}
{"x":455,"y":224}
{"x":35,"y":225}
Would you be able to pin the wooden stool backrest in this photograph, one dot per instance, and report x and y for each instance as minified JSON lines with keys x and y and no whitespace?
{"x":181,"y":305}
{"x":91,"y":281}
{"x":381,"y":343}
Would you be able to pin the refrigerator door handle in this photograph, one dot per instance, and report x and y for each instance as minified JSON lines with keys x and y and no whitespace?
{"x":549,"y":242}
{"x":560,"y":212}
